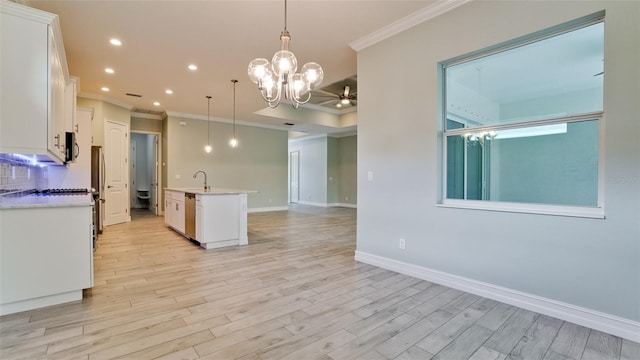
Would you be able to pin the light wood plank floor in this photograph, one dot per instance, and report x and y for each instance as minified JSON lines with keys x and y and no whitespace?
{"x":294,"y":293}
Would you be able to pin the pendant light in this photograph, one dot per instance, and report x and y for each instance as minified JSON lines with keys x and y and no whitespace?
{"x":234,"y":141}
{"x":208,"y":148}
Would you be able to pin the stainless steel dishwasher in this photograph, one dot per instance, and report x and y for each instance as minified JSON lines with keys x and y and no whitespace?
{"x":190,"y":215}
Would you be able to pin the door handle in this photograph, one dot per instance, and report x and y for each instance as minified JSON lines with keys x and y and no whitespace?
{"x":109,"y":186}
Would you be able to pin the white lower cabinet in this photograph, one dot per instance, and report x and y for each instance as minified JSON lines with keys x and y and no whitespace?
{"x":46,"y":256}
{"x":174,"y":210}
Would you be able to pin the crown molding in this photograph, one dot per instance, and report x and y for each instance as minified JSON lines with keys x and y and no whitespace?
{"x":225,"y":121}
{"x":438,"y":8}
{"x":110,"y":100}
{"x":145,"y":116}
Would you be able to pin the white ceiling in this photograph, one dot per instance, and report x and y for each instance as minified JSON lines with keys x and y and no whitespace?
{"x":160,"y":38}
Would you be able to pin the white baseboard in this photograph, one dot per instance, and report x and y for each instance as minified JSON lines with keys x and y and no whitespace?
{"x":267,"y":209}
{"x":301,"y":202}
{"x":36,"y":303}
{"x":353,"y":206}
{"x":327,"y":204}
{"x":610,"y":324}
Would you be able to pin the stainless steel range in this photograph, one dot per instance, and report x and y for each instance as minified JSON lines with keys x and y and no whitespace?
{"x":48,"y":192}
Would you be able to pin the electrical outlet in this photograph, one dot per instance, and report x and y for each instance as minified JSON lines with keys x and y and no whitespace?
{"x":401,"y":244}
{"x":269,"y":200}
{"x":177,"y":176}
{"x":346,"y":198}
{"x":370,"y":176}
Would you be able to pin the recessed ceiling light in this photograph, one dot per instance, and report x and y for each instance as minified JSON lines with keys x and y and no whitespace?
{"x":115,"y":42}
{"x":109,"y":71}
{"x":338,"y":105}
{"x":156,"y":103}
{"x":169,"y":91}
{"x":105,"y":89}
{"x":193,"y":67}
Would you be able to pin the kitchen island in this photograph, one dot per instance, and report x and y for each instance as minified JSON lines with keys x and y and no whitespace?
{"x":214,"y":218}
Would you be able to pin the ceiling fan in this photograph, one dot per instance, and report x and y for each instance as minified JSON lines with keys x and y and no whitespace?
{"x":345,"y":98}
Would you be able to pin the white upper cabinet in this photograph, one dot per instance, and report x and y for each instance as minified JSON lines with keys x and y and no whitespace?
{"x":34,"y":74}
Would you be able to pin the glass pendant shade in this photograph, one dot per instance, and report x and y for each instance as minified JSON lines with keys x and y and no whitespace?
{"x":284,"y":63}
{"x":258,"y":69}
{"x":313,"y":74}
{"x":208,"y":148}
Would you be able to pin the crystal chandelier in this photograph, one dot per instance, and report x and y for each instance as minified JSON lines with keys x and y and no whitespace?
{"x":278,"y":79}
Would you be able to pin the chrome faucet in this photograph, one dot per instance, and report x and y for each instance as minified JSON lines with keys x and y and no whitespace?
{"x":206,"y":187}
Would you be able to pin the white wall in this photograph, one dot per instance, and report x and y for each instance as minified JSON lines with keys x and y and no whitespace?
{"x":313,"y":169}
{"x":589,"y":264}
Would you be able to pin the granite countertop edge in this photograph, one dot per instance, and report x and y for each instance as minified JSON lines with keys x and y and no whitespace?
{"x":212,"y":191}
{"x":37,"y":201}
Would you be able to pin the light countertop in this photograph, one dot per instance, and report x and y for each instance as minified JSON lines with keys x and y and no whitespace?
{"x":212,"y":191}
{"x":37,"y":201}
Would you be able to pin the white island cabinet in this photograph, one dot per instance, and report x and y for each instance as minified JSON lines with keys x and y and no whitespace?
{"x":220,"y":216}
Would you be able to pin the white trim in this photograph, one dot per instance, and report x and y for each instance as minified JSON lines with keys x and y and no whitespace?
{"x":336,"y":111}
{"x":346,"y":205}
{"x":145,"y":116}
{"x":267,"y":209}
{"x":610,"y":324}
{"x":226,"y":121}
{"x":438,"y":8}
{"x":311,"y":203}
{"x":346,"y":134}
{"x":105,"y":98}
{"x":525,"y":208}
{"x":311,"y":137}
{"x":40,"y":302}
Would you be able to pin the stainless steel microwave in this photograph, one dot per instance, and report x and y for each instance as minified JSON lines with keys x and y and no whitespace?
{"x":71,"y":148}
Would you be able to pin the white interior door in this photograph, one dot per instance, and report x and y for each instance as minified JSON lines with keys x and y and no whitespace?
{"x":133,"y":199}
{"x":117,"y":173}
{"x":153,"y":205}
{"x":294,"y":176}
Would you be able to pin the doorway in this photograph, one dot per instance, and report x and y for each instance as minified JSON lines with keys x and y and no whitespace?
{"x":145,"y":176}
{"x":294,"y":176}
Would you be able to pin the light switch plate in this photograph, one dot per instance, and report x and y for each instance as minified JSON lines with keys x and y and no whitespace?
{"x":370,"y":176}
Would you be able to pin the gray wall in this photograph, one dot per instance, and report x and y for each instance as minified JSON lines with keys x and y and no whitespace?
{"x":591,"y":263}
{"x":348,"y":170}
{"x":550,"y":169}
{"x":146,"y":125}
{"x":259,"y":163}
{"x":327,"y":170}
{"x":313,"y":169}
{"x":333,"y":171}
{"x":103,"y":111}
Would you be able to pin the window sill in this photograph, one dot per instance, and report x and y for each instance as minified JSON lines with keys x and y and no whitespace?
{"x":526,"y":208}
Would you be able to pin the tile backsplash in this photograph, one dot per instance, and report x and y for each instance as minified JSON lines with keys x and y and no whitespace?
{"x":18,"y":175}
